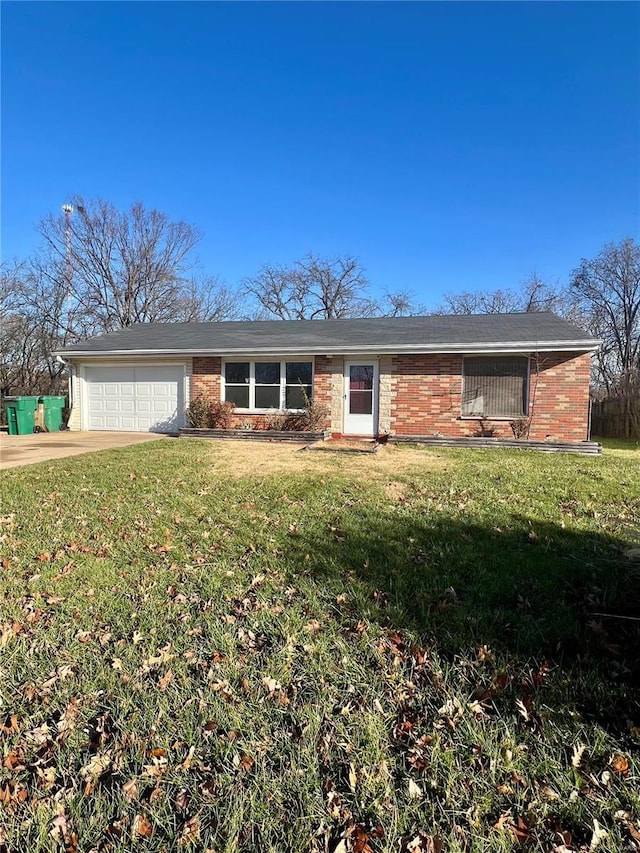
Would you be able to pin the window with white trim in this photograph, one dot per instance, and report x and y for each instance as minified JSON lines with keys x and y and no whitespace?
{"x":260,"y":385}
{"x":495,"y":387}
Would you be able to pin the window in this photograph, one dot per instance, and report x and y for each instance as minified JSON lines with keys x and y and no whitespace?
{"x":299,"y":379}
{"x":237,"y":376}
{"x":361,"y":389}
{"x":268,"y":384}
{"x":495,"y":387}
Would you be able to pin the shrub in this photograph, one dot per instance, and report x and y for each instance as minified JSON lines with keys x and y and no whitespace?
{"x":197,"y":412}
{"x":204,"y":413}
{"x":220,"y":414}
{"x":310,"y":419}
{"x":520,"y":427}
{"x":277,"y":420}
{"x":314,"y":414}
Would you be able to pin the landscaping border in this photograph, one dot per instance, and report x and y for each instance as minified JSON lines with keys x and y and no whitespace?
{"x":590,"y":448}
{"x":256,"y":434}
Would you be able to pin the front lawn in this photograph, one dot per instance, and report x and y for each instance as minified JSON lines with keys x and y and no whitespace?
{"x":229,"y":647}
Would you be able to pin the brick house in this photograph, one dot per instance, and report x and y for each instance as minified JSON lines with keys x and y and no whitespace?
{"x":436,"y":375}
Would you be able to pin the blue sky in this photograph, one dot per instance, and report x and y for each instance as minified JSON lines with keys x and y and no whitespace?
{"x":448,"y":146}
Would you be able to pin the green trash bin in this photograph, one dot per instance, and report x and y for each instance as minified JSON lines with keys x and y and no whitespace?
{"x":20,"y":414}
{"x":53,"y":406}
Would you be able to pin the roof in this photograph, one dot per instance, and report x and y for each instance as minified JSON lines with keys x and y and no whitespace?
{"x":433,"y":333}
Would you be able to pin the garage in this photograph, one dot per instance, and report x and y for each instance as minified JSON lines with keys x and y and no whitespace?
{"x":134,"y":398}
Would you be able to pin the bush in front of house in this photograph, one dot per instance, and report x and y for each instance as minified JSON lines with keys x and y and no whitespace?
{"x":520,"y":427}
{"x":204,"y":413}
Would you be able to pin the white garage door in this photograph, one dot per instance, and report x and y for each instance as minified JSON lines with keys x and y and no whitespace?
{"x":136,"y":399}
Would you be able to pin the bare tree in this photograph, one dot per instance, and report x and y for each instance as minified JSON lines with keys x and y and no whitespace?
{"x":128,"y":266}
{"x":315,"y":288}
{"x":533,"y":295}
{"x":209,"y":300}
{"x":400,"y":303}
{"x":32,"y":325}
{"x":109,"y":269}
{"x":608,"y":291}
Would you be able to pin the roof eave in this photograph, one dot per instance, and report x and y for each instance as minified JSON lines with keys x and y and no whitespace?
{"x":588,"y":345}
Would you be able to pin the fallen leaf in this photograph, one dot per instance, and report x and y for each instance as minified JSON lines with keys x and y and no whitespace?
{"x":98,"y":765}
{"x":619,"y":764}
{"x":141,"y":827}
{"x":271,"y":684}
{"x":599,"y":834}
{"x":182,"y":800}
{"x":190,"y":831}
{"x":578,"y":752}
{"x":130,"y":789}
{"x":415,"y":791}
{"x":166,"y":680}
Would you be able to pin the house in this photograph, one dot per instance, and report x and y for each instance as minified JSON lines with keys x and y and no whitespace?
{"x":434,"y":375}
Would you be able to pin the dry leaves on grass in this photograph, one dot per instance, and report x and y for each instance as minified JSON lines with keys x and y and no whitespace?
{"x":141,"y":827}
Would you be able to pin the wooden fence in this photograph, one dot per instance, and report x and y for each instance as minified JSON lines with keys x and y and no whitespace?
{"x":616,"y":417}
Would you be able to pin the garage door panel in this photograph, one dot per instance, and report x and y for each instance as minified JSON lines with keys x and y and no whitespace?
{"x":151,"y":374}
{"x":138,"y":399}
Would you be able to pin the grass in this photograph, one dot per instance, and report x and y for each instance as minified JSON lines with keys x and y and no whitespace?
{"x":629,"y":445}
{"x":230,"y":647}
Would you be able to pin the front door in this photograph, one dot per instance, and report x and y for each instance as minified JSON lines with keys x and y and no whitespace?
{"x":361,"y":398}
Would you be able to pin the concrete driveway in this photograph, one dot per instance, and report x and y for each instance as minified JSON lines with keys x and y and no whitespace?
{"x":18,"y":450}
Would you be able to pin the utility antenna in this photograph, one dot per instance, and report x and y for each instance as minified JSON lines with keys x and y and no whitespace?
{"x":67,"y":209}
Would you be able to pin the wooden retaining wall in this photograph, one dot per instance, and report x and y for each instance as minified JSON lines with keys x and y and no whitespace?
{"x":584,"y":447}
{"x":256,"y":434}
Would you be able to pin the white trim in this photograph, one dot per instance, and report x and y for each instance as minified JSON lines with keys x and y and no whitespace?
{"x":340,"y":349}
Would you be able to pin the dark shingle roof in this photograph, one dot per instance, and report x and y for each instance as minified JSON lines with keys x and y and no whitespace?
{"x":434,"y":333}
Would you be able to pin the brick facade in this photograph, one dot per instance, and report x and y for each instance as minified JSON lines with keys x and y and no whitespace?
{"x":426,"y":392}
{"x":422,"y":395}
{"x":206,"y":375}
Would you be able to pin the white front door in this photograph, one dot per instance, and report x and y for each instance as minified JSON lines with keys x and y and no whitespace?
{"x":361,"y":398}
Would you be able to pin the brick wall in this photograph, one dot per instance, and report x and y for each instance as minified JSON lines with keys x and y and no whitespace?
{"x":559,"y":396}
{"x":426,"y":393}
{"x":207,"y":371}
